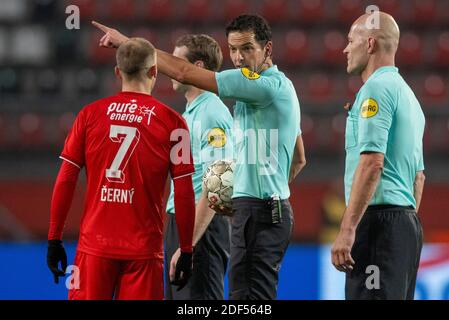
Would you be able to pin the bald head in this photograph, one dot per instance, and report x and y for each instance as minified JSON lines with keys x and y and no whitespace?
{"x":380,"y":26}
{"x":135,"y":57}
{"x":372,"y":42}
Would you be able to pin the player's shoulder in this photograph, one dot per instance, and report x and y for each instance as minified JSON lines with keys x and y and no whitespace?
{"x":213,"y":101}
{"x":99,"y":103}
{"x":213,"y":108}
{"x":170,"y":115}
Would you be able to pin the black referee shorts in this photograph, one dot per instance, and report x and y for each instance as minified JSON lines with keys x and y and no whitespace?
{"x":210,"y":260}
{"x":257,"y":249}
{"x":386,"y":252}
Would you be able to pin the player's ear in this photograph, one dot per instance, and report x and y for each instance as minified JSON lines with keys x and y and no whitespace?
{"x":152,"y":72}
{"x":372,"y":45}
{"x":269,"y":49}
{"x":200,"y":64}
{"x":117,"y":72}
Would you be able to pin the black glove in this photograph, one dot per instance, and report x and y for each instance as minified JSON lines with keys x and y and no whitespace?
{"x":183,"y":265}
{"x":55,"y":254}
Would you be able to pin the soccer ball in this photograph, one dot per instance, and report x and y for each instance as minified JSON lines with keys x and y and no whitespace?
{"x":218,"y":181}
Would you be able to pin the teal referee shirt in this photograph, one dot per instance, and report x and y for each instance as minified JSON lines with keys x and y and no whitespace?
{"x":266,"y":124}
{"x":210,"y":125}
{"x":387,"y":118}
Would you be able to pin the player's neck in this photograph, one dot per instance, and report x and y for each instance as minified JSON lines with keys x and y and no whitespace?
{"x":375,"y":63}
{"x":192,"y":93}
{"x":138,"y":87}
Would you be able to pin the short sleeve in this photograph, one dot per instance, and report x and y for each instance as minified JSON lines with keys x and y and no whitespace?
{"x":374,"y":119}
{"x":181,"y":160}
{"x":74,"y":147}
{"x":247,"y":86}
{"x":216,"y":137}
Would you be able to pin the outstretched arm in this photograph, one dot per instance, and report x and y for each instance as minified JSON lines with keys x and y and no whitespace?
{"x":173,"y":67}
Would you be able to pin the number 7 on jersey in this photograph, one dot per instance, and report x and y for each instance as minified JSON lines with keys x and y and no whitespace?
{"x":129,"y":138}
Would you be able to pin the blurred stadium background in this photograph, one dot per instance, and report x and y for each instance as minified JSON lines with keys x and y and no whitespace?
{"x":47,"y":74}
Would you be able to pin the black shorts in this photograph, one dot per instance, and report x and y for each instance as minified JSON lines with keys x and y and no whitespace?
{"x":257,"y":249}
{"x":210,"y":260}
{"x":388,"y":243}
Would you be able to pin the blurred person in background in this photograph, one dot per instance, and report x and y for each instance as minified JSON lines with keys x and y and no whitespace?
{"x":210,"y":123}
{"x":125,"y":144}
{"x":266,"y":101}
{"x":384,"y":169}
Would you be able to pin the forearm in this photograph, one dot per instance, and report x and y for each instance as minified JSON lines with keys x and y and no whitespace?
{"x":299,"y":159}
{"x":62,"y":199}
{"x":418,"y":186}
{"x":185,"y":72}
{"x":296,"y":169}
{"x":364,"y":185}
{"x":203,"y":217}
{"x":185,"y":211}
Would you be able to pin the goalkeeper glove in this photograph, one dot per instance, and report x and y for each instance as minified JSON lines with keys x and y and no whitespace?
{"x":184,"y":266}
{"x":55,"y":254}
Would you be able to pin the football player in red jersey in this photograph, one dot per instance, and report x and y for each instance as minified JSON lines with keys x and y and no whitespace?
{"x":128,"y":143}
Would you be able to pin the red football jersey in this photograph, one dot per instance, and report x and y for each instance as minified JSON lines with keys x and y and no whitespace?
{"x":129,"y":143}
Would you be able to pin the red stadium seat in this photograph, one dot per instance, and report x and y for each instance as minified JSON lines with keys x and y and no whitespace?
{"x":424,"y":11}
{"x":220,"y":36}
{"x":311,"y":11}
{"x":197,"y":10}
{"x":410,"y":50}
{"x":319,"y":87}
{"x":97,"y":54}
{"x":354,"y":84}
{"x":435,"y":90}
{"x":309,"y":134}
{"x":160,"y":10}
{"x":442,"y":51}
{"x":295,"y":47}
{"x":31,"y":130}
{"x":121,"y":10}
{"x":391,"y":7}
{"x":275,"y":10}
{"x":146,"y":33}
{"x":337,"y":138}
{"x":234,"y":8}
{"x":175,"y":34}
{"x":349,"y":10}
{"x":66,"y":121}
{"x":334,"y":44}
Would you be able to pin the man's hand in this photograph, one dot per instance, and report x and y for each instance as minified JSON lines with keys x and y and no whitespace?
{"x":221,"y":209}
{"x":173,"y":262}
{"x":182,"y":262}
{"x":55,"y":254}
{"x":112,"y":38}
{"x":341,"y":251}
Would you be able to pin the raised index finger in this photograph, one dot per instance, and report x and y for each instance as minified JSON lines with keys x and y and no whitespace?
{"x":100,"y":26}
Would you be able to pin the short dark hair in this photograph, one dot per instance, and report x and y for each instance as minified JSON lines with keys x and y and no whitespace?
{"x":134,"y":56}
{"x":202,"y":48}
{"x":254,"y":23}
